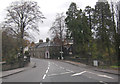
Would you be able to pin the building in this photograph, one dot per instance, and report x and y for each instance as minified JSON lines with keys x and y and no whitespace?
{"x":68,"y":47}
{"x":45,"y":50}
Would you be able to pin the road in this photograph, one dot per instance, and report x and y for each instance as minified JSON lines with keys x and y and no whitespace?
{"x":57,"y":71}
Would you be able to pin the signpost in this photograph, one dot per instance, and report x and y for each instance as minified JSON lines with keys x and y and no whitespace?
{"x":95,"y":63}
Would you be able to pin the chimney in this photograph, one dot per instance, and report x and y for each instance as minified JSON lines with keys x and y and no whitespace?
{"x":40,"y":41}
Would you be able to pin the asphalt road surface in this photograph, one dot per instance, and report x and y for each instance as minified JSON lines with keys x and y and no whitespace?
{"x":56,"y":71}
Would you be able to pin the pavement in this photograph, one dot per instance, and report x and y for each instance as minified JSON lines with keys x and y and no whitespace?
{"x":110,"y":71}
{"x":15,"y":71}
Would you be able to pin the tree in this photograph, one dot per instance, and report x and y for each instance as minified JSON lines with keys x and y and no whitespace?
{"x":89,"y":11}
{"x":115,"y":32}
{"x":26,"y":43}
{"x":118,"y":16}
{"x":118,"y":30}
{"x":32,"y":44}
{"x":0,"y":46}
{"x":71,"y":23}
{"x":58,"y":28}
{"x":91,"y":22}
{"x":47,"y":40}
{"x":9,"y":47}
{"x":57,"y":40}
{"x":22,"y":16}
{"x":71,"y":17}
{"x":77,"y":24}
{"x":104,"y":32}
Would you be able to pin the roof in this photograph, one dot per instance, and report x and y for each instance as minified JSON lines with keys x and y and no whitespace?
{"x":102,"y":0}
{"x":44,"y":44}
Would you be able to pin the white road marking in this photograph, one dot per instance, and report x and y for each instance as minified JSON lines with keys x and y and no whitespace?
{"x":44,"y":76}
{"x":101,"y":81}
{"x":69,"y":70}
{"x":65,"y":72}
{"x":106,"y":76}
{"x":48,"y":64}
{"x":48,"y":68}
{"x":101,"y":75}
{"x":61,"y":67}
{"x":52,"y":74}
{"x":59,"y":74}
{"x":78,"y":73}
{"x":93,"y":73}
{"x":47,"y":71}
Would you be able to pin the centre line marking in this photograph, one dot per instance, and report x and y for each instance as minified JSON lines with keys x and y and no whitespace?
{"x":46,"y":71}
{"x":44,"y":76}
{"x":48,"y":68}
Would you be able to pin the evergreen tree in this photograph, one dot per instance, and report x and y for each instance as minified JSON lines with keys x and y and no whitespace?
{"x":77,"y":24}
{"x":71,"y":22}
{"x":90,"y":20}
{"x":103,"y":18}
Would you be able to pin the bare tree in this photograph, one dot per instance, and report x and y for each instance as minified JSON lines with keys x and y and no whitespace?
{"x":58,"y":28}
{"x":22,"y":16}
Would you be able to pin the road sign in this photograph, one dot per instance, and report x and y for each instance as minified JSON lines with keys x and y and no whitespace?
{"x":95,"y":63}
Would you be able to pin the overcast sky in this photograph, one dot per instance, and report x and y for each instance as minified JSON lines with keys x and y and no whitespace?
{"x":49,"y":8}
